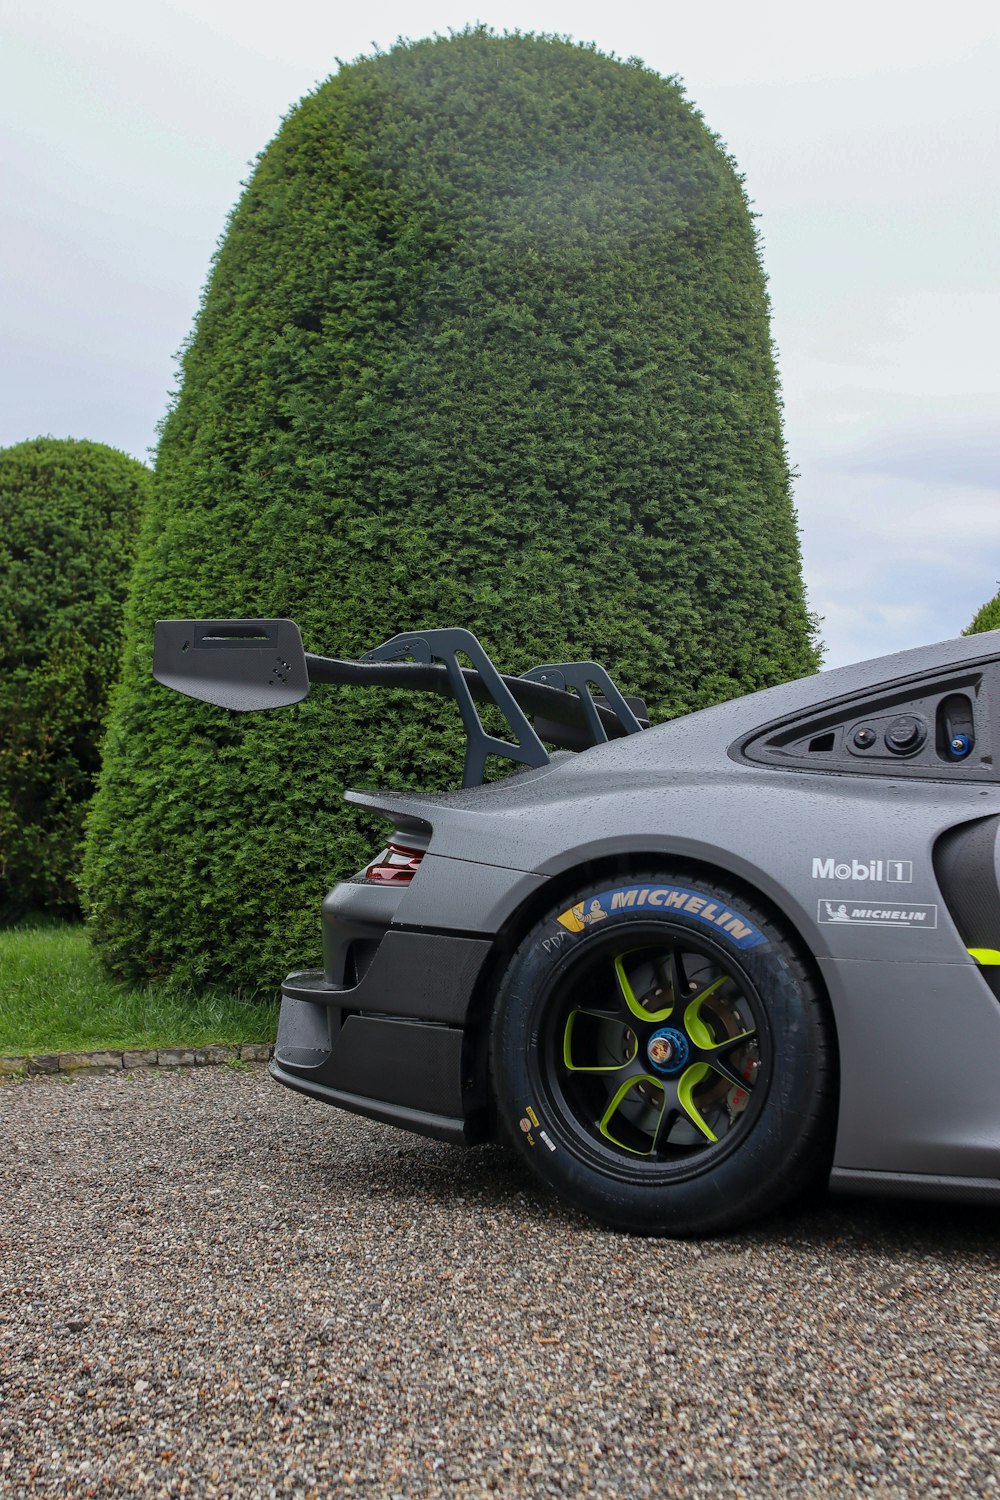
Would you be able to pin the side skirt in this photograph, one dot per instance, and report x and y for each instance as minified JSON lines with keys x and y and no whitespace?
{"x":915,"y":1185}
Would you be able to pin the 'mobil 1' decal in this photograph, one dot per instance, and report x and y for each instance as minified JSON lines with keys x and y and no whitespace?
{"x":663,"y":899}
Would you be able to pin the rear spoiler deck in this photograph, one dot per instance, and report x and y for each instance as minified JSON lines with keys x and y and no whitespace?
{"x":246,"y":665}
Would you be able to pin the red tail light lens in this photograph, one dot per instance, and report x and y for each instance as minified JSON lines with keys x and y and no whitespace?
{"x":395,"y":865}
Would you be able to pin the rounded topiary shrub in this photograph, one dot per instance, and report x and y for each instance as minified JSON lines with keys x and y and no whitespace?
{"x":69,"y":514}
{"x":486,"y":344}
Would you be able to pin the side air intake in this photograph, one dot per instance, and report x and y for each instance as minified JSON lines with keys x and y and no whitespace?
{"x":965,"y":866}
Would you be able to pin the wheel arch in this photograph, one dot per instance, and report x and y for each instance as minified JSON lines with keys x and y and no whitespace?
{"x":614,"y":866}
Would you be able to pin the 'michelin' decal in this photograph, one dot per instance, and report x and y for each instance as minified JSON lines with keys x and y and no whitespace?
{"x":872,"y":915}
{"x":659,"y":899}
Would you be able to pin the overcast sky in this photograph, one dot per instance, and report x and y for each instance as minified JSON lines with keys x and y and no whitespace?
{"x":869,"y":135}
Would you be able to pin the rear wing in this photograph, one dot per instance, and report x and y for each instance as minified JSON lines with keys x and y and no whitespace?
{"x":245,"y":665}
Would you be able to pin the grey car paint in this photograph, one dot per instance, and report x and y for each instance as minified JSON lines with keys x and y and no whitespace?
{"x":881,"y":866}
{"x":918,"y":1026}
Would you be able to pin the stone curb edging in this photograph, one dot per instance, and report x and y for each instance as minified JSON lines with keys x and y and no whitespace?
{"x":73,"y":1063}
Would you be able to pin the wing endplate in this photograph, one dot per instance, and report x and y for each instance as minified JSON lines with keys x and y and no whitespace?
{"x":242,"y":665}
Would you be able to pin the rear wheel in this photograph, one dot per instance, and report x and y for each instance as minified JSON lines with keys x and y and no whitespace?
{"x":662,"y":1058}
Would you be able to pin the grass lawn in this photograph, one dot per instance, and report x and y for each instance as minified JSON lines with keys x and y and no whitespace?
{"x":54,"y":998}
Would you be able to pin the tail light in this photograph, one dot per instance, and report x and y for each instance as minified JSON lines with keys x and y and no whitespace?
{"x":394,"y":865}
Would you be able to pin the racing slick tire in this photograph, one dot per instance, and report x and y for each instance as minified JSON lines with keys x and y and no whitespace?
{"x":662,"y":1058}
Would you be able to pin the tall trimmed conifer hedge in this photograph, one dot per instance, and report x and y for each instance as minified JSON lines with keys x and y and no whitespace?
{"x":69,"y":515}
{"x":486,"y":344}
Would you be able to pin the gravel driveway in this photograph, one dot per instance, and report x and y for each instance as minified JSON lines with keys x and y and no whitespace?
{"x":211,"y":1286}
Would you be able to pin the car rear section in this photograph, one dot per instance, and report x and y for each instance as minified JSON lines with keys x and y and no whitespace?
{"x":686,"y":971}
{"x":387,"y":1027}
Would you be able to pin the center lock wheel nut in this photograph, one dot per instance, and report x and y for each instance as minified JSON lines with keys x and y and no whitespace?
{"x":668,"y":1050}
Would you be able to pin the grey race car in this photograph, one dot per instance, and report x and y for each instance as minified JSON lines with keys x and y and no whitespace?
{"x":688,"y":970}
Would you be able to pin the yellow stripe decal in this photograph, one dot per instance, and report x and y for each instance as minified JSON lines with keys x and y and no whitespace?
{"x":988,"y":956}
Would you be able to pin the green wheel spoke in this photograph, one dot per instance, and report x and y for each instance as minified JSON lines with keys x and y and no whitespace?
{"x":686,"y":1085}
{"x":696,"y":1028}
{"x":574,"y":1067}
{"x":711,"y":1052}
{"x":636,"y":1008}
{"x":605,"y":1126}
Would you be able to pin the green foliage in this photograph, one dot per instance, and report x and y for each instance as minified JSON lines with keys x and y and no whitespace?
{"x":54,"y":998}
{"x":69,"y":514}
{"x":486,"y":343}
{"x":988,"y":618}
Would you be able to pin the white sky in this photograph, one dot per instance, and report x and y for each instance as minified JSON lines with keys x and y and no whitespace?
{"x":870,"y":139}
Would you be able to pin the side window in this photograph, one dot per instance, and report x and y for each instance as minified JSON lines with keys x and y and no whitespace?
{"x":940,"y":727}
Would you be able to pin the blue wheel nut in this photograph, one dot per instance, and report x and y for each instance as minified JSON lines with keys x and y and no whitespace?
{"x":960,"y":745}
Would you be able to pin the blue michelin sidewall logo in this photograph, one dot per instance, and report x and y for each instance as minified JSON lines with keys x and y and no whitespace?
{"x":663,"y":900}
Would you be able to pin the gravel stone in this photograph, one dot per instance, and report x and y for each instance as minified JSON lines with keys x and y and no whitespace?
{"x":213,"y":1287}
